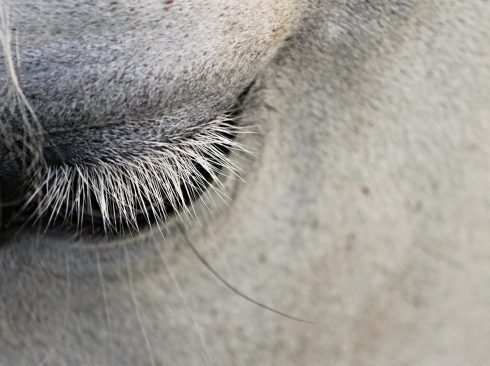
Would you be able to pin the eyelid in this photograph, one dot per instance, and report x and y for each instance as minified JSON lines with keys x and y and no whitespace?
{"x":129,"y":190}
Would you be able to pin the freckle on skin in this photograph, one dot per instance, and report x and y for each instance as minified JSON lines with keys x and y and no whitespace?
{"x":366,"y":191}
{"x":415,"y":208}
{"x":262,"y":258}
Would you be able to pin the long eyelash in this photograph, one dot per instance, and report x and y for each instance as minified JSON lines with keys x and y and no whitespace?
{"x":165,"y":178}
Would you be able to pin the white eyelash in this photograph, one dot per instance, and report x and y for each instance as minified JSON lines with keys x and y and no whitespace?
{"x":127,"y":187}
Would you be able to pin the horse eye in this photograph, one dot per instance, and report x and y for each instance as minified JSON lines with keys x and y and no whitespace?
{"x":122,"y":193}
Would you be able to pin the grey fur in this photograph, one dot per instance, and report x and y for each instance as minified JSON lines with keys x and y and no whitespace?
{"x":366,"y":208}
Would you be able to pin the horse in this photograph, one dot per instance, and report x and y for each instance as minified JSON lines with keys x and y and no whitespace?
{"x":263,"y":182}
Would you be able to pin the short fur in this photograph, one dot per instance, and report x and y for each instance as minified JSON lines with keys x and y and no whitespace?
{"x":366,"y":208}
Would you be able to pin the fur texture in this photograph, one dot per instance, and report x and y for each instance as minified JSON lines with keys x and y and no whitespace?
{"x":366,"y":208}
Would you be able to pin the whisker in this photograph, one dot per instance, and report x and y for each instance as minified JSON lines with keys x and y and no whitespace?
{"x":233,"y":288}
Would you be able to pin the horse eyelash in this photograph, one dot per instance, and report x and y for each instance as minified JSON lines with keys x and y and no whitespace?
{"x":165,"y":178}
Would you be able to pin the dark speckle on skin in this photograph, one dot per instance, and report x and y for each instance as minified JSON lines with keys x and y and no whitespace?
{"x":278,"y":31}
{"x":351,"y":238}
{"x":415,"y":207}
{"x":365,"y":190}
{"x":168,"y":4}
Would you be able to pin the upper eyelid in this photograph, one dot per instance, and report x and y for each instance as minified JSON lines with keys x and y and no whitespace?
{"x":177,"y":162}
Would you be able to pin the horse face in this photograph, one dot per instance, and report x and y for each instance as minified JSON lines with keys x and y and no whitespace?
{"x":359,"y":131}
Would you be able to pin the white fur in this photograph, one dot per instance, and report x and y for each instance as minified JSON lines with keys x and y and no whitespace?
{"x":366,"y":209}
